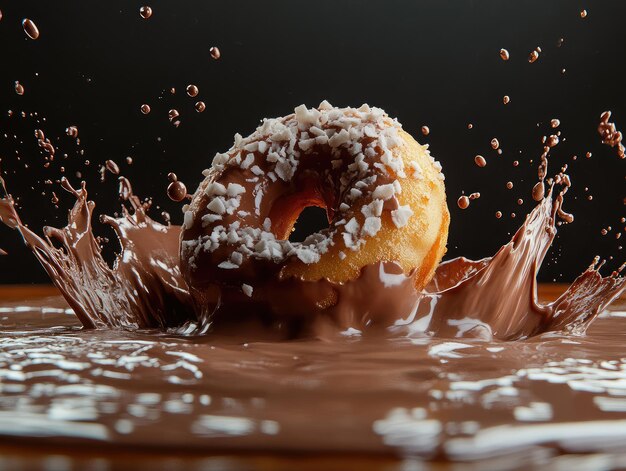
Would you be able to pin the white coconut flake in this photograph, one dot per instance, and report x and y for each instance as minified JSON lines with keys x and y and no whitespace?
{"x":217,"y":205}
{"x":235,"y":189}
{"x":188,"y":220}
{"x":247,"y":290}
{"x":384,"y":192}
{"x":352,"y":226}
{"x":247,"y":161}
{"x":401,"y":216}
{"x":371,"y":226}
{"x":417,"y":170}
{"x":375,"y":208}
{"x":226,"y":265}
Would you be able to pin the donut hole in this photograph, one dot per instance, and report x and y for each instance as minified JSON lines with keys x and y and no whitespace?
{"x":312,"y":219}
{"x":306,"y":211}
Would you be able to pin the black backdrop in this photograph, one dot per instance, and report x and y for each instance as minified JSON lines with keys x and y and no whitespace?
{"x":432,"y":63}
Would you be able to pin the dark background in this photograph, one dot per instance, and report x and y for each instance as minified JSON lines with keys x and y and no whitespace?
{"x":432,"y":63}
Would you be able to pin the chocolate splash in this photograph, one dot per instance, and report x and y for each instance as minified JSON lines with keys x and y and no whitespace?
{"x":143,"y":289}
{"x":490,"y":298}
{"x":497,"y":297}
{"x":610,"y":135}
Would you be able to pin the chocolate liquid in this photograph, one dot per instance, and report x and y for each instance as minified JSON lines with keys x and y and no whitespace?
{"x":473,"y":367}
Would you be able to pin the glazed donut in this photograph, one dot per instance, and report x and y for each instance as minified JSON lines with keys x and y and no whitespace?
{"x":383,"y":193}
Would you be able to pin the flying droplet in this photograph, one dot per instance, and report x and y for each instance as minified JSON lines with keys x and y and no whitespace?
{"x":463,"y":202}
{"x":555,"y":123}
{"x":19,"y":88}
{"x":192,"y":90}
{"x":215,"y":52}
{"x":200,"y":107}
{"x":504,"y":54}
{"x":145,"y":109}
{"x":425,"y":130}
{"x":533,"y":56}
{"x":177,"y":191}
{"x":583,"y":14}
{"x":506,"y":99}
{"x":30,"y":28}
{"x":538,"y":191}
{"x":553,"y":140}
{"x":495,"y":143}
{"x":173,"y":114}
{"x":480,"y":161}
{"x":145,"y":12}
{"x":72,"y":131}
{"x":112,"y":167}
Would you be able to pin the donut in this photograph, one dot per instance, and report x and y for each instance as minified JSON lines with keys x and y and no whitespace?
{"x":383,"y":192}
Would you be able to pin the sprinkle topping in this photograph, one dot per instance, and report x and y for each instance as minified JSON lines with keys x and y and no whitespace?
{"x":364,"y":168}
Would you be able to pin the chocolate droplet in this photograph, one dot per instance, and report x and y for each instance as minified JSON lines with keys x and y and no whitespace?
{"x":509,"y":185}
{"x":112,"y":167}
{"x":192,"y":90}
{"x":173,"y":114}
{"x":498,"y":214}
{"x":19,"y":88}
{"x":425,"y":130}
{"x":506,"y":99}
{"x":145,"y":12}
{"x":533,"y":56}
{"x":72,"y":131}
{"x":172,"y":177}
{"x":177,"y":191}
{"x":504,"y":54}
{"x":480,"y":161}
{"x":555,"y":123}
{"x":583,"y":14}
{"x":200,"y":107}
{"x":215,"y":52}
{"x":553,"y":140}
{"x":538,"y":191}
{"x":463,"y":202}
{"x":495,"y":143}
{"x":145,"y":109}
{"x":30,"y":28}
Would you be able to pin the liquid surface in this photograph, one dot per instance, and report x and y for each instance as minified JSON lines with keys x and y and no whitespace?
{"x":459,"y":399}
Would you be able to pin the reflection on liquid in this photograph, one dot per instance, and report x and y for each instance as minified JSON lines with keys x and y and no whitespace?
{"x":424,"y":397}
